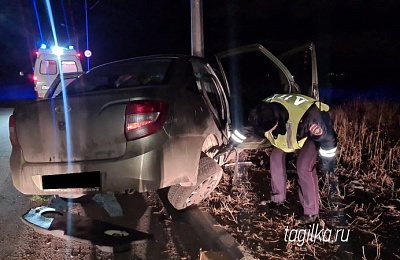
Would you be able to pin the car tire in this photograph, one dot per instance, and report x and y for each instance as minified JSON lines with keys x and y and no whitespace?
{"x":209,"y":175}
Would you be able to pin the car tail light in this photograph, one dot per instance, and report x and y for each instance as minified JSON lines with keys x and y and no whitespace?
{"x":144,"y":117}
{"x":13,"y":133}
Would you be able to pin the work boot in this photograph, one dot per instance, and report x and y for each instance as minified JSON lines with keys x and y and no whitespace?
{"x":308,"y":219}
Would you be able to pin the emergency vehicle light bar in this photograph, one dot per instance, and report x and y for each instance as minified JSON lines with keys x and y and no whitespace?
{"x":57,"y":50}
{"x":44,"y":46}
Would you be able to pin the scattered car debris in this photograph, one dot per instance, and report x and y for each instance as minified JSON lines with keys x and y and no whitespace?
{"x":35,"y":217}
{"x":109,"y":237}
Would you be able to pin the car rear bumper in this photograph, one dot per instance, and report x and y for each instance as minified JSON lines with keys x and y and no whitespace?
{"x":140,"y":173}
{"x":149,"y":163}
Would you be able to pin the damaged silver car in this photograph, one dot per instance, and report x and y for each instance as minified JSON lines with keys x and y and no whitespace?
{"x":138,"y":124}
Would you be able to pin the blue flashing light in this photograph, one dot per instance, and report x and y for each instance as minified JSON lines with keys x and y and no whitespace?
{"x":70,"y":47}
{"x":43,"y":46}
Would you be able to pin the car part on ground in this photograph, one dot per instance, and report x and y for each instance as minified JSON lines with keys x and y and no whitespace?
{"x":108,"y":236}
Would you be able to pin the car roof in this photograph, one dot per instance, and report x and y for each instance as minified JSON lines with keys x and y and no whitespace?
{"x":149,"y":57}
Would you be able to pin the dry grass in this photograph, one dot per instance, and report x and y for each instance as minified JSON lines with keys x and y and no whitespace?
{"x":368,"y":163}
{"x":369,"y":139}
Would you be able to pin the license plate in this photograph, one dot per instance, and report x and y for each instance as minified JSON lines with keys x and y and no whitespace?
{"x":72,"y":181}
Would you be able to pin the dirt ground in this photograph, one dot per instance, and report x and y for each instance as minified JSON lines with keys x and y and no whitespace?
{"x":365,"y":212}
{"x":28,"y":244}
{"x":171,"y":239}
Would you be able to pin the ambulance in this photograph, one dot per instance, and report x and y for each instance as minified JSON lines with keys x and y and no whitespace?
{"x":48,"y":63}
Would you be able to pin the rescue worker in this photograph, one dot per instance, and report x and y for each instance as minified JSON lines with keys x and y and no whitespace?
{"x":292,"y":122}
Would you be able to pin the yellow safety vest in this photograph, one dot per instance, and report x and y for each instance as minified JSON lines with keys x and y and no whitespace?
{"x":296,"y":105}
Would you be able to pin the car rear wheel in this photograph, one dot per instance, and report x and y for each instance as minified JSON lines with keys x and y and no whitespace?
{"x":209,"y":175}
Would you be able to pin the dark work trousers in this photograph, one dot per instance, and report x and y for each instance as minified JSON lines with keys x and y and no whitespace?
{"x":307,"y":177}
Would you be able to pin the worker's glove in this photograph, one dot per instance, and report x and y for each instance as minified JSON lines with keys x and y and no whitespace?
{"x":332,"y":185}
{"x":328,"y":164}
{"x":332,"y":191}
{"x":225,"y":150}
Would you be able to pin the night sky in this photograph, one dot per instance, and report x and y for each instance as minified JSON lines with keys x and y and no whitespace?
{"x":357,"y":38}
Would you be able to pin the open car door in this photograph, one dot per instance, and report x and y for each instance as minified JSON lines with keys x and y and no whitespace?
{"x":302,"y":63}
{"x":251,"y":73}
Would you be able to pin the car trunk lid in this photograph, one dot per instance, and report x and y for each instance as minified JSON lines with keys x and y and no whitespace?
{"x":88,"y":128}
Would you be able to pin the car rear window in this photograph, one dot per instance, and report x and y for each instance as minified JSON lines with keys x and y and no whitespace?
{"x":48,"y":67}
{"x":123,"y":74}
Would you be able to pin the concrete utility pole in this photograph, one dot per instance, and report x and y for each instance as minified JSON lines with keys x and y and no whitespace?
{"x":196,"y":11}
